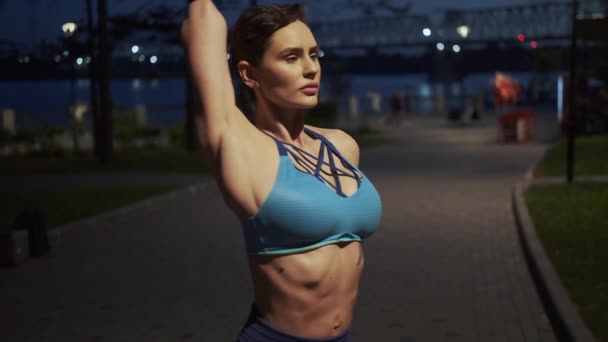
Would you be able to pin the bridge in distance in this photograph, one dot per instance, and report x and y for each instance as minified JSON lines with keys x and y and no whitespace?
{"x":547,"y":23}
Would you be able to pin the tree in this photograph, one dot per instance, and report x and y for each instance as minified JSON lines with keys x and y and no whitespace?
{"x":94,"y":93}
{"x":106,"y":147}
{"x":166,"y":21}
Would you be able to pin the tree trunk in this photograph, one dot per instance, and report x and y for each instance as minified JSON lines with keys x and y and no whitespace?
{"x":189,"y":125}
{"x":94,"y":101}
{"x":106,"y":138}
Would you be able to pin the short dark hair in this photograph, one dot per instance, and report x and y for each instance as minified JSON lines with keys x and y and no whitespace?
{"x":251,"y":33}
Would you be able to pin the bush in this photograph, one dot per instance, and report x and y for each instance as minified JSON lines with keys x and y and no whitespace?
{"x":45,"y":136}
{"x":177,"y":135}
{"x":5,"y":136}
{"x":126,"y":128}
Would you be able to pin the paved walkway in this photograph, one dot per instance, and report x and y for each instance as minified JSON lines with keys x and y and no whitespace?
{"x":445,"y":264}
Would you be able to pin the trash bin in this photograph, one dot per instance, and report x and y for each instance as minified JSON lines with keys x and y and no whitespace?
{"x":32,"y":221}
{"x":516,"y":125}
{"x":14,"y":246}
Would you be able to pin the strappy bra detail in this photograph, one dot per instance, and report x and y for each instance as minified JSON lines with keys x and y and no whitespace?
{"x":304,"y":210}
{"x":326,"y":146}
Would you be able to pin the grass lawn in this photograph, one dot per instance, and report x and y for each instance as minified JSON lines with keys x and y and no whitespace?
{"x":64,"y":206}
{"x":168,"y":160}
{"x":591,"y":157}
{"x":571,"y":220}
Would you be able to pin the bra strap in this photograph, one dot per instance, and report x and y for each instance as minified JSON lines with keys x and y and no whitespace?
{"x":316,"y":172}
{"x":333,"y":148}
{"x":333,"y":168}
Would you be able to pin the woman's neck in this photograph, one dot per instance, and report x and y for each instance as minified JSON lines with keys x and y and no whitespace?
{"x":284,"y":124}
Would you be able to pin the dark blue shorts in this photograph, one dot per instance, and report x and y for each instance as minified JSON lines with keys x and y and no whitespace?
{"x":256,"y":330}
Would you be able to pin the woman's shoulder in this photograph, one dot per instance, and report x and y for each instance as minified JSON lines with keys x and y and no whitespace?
{"x":343,"y":141}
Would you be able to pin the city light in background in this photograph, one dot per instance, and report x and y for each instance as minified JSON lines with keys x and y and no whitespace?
{"x":440,"y":35}
{"x":521,"y":37}
{"x":69,"y":29}
{"x":463,"y":31}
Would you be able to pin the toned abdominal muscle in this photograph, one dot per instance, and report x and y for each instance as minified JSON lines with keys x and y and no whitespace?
{"x":312,"y":294}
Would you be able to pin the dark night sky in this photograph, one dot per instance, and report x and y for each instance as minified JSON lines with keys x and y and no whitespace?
{"x":27,"y":21}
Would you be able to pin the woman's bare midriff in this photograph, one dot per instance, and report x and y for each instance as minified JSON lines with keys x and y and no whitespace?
{"x":309,"y":294}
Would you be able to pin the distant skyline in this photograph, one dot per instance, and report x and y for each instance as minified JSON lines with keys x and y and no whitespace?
{"x":28,"y":22}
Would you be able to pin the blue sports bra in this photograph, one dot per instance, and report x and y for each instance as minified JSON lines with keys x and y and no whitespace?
{"x":302,"y":213}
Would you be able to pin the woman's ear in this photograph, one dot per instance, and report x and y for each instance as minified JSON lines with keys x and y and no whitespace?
{"x":245,"y":71}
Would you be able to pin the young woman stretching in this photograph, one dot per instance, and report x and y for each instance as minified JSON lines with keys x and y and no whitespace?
{"x":304,"y":204}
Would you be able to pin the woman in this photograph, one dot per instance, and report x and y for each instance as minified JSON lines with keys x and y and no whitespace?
{"x":303,"y":203}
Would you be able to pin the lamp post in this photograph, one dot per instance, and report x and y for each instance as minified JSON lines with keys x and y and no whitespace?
{"x":458,"y":67}
{"x":572,"y":96}
{"x":69,"y":29}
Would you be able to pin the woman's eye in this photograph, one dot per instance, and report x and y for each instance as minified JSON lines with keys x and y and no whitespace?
{"x":291,"y":59}
{"x":314,"y":56}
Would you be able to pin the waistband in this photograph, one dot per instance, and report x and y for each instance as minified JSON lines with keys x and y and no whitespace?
{"x":257,"y":330}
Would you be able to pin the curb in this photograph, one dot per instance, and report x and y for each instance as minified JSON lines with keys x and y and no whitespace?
{"x":561,"y":180}
{"x":561,"y":310}
{"x":55,"y":234}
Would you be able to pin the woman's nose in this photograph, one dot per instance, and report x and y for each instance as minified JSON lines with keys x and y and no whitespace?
{"x":311,"y":68}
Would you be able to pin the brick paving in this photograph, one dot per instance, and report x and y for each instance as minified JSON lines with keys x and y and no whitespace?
{"x":445,"y":264}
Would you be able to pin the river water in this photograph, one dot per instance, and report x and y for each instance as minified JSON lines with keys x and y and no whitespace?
{"x":46,"y":102}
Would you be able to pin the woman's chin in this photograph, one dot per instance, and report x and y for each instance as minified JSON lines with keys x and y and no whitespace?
{"x":308,"y":103}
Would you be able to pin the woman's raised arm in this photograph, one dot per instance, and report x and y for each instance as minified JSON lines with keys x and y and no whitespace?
{"x":205,"y":35}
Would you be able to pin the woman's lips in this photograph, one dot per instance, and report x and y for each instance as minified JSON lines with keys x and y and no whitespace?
{"x":310,"y":90}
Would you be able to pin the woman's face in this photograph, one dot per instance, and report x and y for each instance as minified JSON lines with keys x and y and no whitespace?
{"x":289,"y":73}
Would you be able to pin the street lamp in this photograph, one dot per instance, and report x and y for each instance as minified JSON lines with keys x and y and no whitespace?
{"x":463,"y":31}
{"x":69,"y":29}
